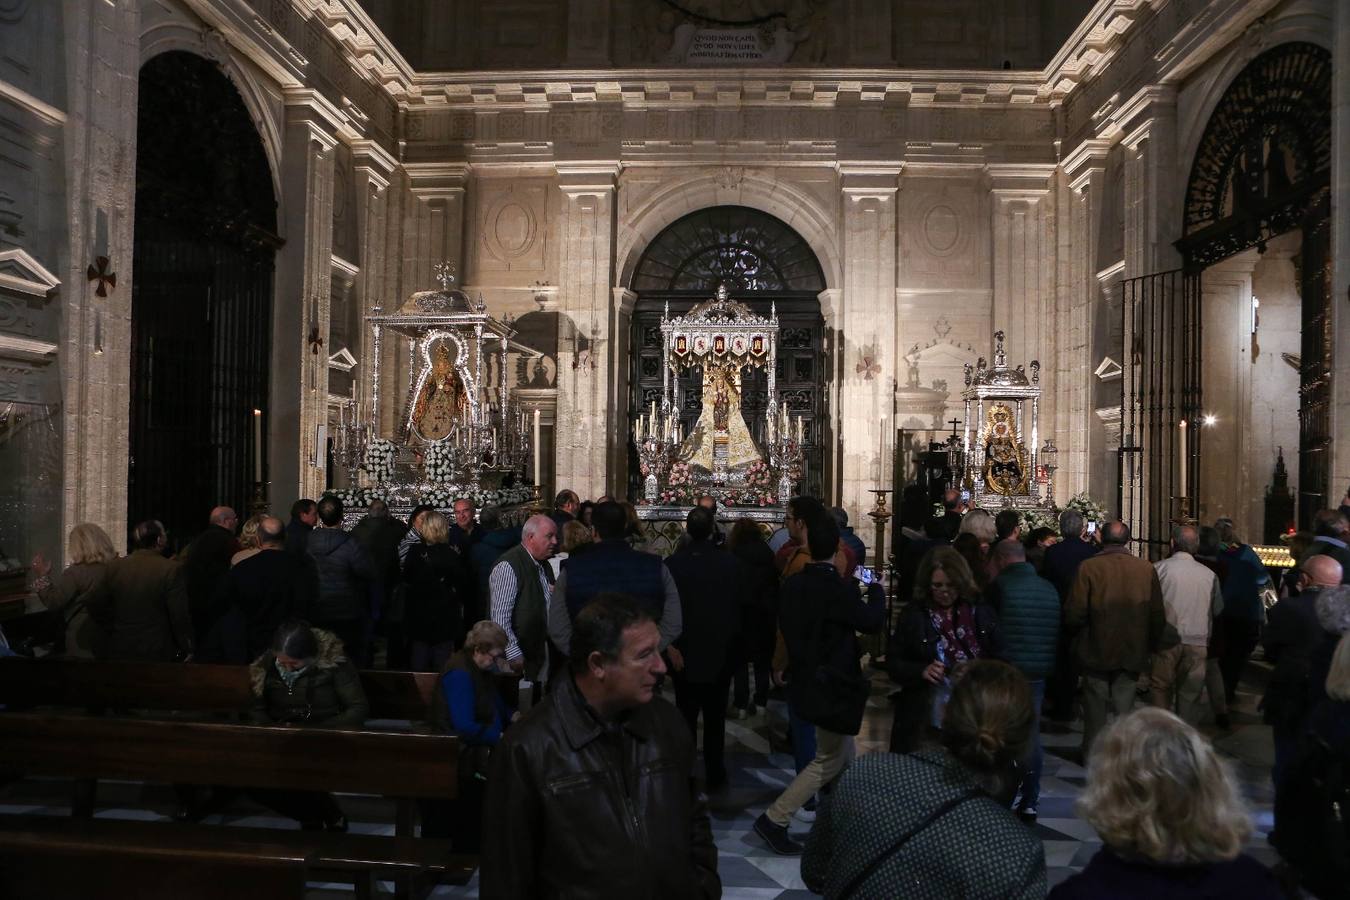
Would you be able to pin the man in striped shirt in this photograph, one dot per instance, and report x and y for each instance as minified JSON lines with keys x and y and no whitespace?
{"x":520,"y":587}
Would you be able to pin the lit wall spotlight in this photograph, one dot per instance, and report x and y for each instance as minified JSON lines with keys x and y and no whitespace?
{"x":1211,"y":420}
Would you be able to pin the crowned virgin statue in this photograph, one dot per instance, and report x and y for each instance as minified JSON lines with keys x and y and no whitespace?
{"x":441,"y":400}
{"x":1005,"y":468}
{"x":720,"y":435}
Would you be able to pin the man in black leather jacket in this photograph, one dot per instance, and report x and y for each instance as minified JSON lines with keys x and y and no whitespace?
{"x":591,"y":794}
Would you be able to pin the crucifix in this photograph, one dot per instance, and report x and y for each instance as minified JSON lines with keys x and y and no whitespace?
{"x":953,"y":423}
{"x":445,"y":274}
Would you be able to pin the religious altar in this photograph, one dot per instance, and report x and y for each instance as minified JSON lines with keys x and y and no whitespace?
{"x":719,"y":456}
{"x":997,"y":465}
{"x":458,"y":431}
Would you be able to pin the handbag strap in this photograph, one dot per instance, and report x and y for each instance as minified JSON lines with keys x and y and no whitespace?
{"x":905,"y":838}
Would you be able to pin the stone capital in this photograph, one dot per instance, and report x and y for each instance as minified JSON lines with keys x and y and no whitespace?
{"x":307,"y":108}
{"x":431,"y":181}
{"x":1087,"y":160}
{"x":1019,"y":182}
{"x":624,"y":301}
{"x":374,"y":162}
{"x":866,"y":180}
{"x":1137,"y":116}
{"x":577,"y":179}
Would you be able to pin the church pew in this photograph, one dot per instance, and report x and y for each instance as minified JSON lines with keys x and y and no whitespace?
{"x":194,"y":688}
{"x":396,"y":765}
{"x":50,"y":856}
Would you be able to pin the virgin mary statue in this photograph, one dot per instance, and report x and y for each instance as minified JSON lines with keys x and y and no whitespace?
{"x":720,"y":433}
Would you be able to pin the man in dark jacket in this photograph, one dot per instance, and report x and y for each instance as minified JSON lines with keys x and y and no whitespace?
{"x":565,"y":508}
{"x":590,"y":795}
{"x":1029,"y":612}
{"x":348,"y":581}
{"x":304,"y":516}
{"x":1061,"y":564}
{"x":1333,"y":532}
{"x":495,"y":541}
{"x":380,"y":534}
{"x":1292,"y":636}
{"x":258,"y":595}
{"x":143,"y":603}
{"x":612,"y":565}
{"x":712,"y":588}
{"x":818,"y":615}
{"x":846,"y":535}
{"x":204,"y":566}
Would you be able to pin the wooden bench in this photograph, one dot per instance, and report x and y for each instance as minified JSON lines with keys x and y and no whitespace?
{"x":49,"y":856}
{"x":401,"y":766}
{"x":206,"y":689}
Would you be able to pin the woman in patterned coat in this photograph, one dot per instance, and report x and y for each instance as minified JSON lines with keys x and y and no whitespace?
{"x":927,"y":824}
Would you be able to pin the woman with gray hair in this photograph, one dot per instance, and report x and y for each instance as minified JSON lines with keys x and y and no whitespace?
{"x":1170,"y":818}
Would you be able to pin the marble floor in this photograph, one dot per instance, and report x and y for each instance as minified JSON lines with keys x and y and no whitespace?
{"x":759,"y":770}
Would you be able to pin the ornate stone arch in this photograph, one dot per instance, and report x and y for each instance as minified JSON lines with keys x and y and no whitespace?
{"x":785,"y":201}
{"x":1264,"y":154}
{"x":167,"y":32}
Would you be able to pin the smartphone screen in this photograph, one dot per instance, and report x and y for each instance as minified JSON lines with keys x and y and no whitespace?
{"x":1092,"y":528}
{"x":965,"y":495}
{"x":863,"y":574}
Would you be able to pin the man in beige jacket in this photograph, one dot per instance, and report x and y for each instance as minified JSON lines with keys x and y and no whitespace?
{"x":1115,"y":620}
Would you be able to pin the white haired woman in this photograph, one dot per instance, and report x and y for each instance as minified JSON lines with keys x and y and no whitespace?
{"x":1169,"y":815}
{"x":65,"y":596}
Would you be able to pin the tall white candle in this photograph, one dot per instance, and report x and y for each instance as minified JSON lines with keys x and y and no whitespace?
{"x":1181,"y":453}
{"x":537,"y":468}
{"x":257,"y":446}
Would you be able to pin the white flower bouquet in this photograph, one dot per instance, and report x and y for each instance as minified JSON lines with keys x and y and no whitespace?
{"x":379,"y":460}
{"x":438,"y":462}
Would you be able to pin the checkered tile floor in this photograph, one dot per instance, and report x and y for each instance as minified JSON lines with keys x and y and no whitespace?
{"x":758,"y":773}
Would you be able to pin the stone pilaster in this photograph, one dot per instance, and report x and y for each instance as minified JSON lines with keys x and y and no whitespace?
{"x":434,"y":225}
{"x":374,"y":167}
{"x":588,"y":402}
{"x":867,"y":353}
{"x":303,"y":294}
{"x":1077,"y":289}
{"x":1340,"y":253}
{"x":1152,"y":202}
{"x":102,"y":45}
{"x":1023,"y":270}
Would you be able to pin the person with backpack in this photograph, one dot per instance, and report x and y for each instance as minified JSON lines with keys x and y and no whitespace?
{"x":1311,"y":830}
{"x":819,"y":615}
{"x":934,"y":823}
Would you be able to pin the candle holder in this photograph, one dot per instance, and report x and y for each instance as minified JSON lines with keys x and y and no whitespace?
{"x":879,"y":515}
{"x":1049,"y":458}
{"x":258,"y":504}
{"x":785,"y":454}
{"x":537,"y":502}
{"x":656,"y":451}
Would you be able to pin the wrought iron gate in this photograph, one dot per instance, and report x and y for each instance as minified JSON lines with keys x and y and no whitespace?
{"x":1161,"y":401}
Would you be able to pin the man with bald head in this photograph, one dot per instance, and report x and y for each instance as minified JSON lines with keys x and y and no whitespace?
{"x":205,"y":563}
{"x":519,"y":588}
{"x":1291,"y":638}
{"x":257,"y":595}
{"x":1192,"y":600}
{"x":1115,"y":621}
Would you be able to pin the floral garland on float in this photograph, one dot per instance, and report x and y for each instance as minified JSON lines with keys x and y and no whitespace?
{"x":438,"y":462}
{"x":1091,"y":510}
{"x":380,"y":456}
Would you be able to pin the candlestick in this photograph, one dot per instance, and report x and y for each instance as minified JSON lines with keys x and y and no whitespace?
{"x":257,"y":446}
{"x":494,"y":442}
{"x":799,"y":430}
{"x":653,"y":418}
{"x":536,"y":448}
{"x":1181,"y":449}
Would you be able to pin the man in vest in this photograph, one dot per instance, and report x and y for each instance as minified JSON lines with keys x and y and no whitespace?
{"x":612,"y":566}
{"x":520,"y":587}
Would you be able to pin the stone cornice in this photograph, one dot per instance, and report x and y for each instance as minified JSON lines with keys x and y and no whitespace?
{"x":1088,"y":157}
{"x":43,"y":111}
{"x":1094,"y":43}
{"x":727,"y":87}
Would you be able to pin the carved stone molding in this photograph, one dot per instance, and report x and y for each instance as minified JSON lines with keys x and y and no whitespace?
{"x":1110,"y":419}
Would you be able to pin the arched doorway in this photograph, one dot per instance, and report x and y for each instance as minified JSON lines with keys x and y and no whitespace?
{"x":202,"y":301}
{"x":1204,"y":350}
{"x":764,"y":263}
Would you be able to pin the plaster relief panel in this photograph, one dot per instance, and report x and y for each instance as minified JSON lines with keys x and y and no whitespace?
{"x":944,"y":234}
{"x":512,"y":227}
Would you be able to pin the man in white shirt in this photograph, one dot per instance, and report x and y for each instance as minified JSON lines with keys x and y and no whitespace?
{"x":1191,"y":600}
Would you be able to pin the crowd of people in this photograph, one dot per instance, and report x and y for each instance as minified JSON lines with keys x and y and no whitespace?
{"x":597,"y":789}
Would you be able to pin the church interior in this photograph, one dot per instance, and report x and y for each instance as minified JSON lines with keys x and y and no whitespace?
{"x":253,"y":251}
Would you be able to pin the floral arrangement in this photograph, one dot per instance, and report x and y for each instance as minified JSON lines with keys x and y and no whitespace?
{"x":758,"y":476}
{"x":379,"y":459}
{"x":679,"y":475}
{"x":1039,"y":518}
{"x":1092,"y":510}
{"x":675,"y":496}
{"x":438,"y":462}
{"x":355,"y":498}
{"x":749,"y":496}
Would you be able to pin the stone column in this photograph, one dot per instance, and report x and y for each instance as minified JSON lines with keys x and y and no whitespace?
{"x":587,"y":405}
{"x":304,"y":272}
{"x":1023,"y":272}
{"x":374,"y":166}
{"x":621,"y":333}
{"x":868,"y":332}
{"x":102,"y":47}
{"x":1076,"y":289}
